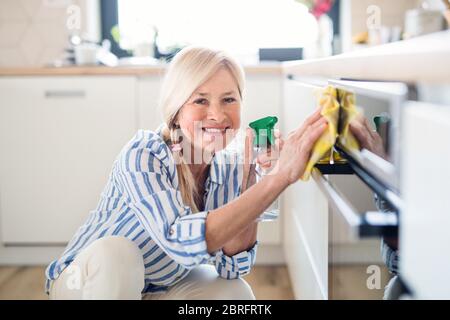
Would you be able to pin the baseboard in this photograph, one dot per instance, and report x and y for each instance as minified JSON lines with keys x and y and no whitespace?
{"x":33,"y":256}
{"x":29,"y":256}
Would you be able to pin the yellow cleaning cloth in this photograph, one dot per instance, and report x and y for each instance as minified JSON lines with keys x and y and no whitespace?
{"x":348,"y":113}
{"x":329,"y":103}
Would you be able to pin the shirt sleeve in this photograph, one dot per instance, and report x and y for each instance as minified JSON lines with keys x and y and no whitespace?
{"x":237,"y":265}
{"x":240,"y":264}
{"x":144,"y":174}
{"x":381,"y":204}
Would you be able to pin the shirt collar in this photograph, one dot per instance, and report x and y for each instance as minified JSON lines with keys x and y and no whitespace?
{"x":215,"y":171}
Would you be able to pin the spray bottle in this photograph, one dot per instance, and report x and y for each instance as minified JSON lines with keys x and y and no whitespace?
{"x":264,"y":139}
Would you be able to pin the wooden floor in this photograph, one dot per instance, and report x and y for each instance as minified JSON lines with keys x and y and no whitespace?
{"x":349,"y":282}
{"x":268,"y":282}
{"x":24,"y":283}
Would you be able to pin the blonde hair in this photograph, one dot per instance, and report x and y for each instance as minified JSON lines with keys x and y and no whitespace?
{"x":189,"y":69}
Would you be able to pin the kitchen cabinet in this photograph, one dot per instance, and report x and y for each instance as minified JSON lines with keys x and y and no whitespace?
{"x":425,"y":182}
{"x":415,"y":181}
{"x":263,"y":97}
{"x":316,"y":232}
{"x":149,"y":116}
{"x":49,"y":125}
{"x":58,"y":138}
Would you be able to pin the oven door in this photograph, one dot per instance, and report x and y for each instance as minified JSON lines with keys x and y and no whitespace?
{"x":380,"y":103}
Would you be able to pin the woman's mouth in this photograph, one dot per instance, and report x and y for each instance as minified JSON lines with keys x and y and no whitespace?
{"x":214,"y":133}
{"x":213,"y":130}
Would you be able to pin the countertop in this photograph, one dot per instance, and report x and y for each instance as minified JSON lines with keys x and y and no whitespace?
{"x":422,"y":59}
{"x":263,"y":68}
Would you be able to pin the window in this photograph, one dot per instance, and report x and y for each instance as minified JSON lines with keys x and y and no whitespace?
{"x":240,"y":26}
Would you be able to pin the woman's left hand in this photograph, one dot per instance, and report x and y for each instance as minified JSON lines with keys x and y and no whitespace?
{"x":267,"y":161}
{"x":249,"y":177}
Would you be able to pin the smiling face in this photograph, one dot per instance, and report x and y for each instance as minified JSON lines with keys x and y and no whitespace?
{"x":210,"y":117}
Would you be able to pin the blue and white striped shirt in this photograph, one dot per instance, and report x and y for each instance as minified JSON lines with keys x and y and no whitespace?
{"x":142,"y":202}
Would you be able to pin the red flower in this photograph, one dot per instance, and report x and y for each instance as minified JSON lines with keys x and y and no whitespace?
{"x":320,"y":7}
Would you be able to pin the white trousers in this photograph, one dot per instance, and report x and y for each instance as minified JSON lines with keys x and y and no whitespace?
{"x":112,"y":268}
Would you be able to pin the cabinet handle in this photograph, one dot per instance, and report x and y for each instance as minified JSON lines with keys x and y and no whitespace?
{"x":337,"y":200}
{"x":368,"y":224}
{"x":49,"y":94}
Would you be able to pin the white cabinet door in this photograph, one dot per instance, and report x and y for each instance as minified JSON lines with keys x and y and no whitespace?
{"x":425,"y":185}
{"x":263,"y":98}
{"x":149,"y":113}
{"x":305,"y":209}
{"x":58,"y":139}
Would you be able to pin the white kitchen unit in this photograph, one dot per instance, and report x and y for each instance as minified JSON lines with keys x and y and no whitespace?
{"x":58,"y":137}
{"x":149,"y":116}
{"x":305,"y":209}
{"x":418,"y":157}
{"x":425,"y":237}
{"x":315,"y":233}
{"x":263,"y":98}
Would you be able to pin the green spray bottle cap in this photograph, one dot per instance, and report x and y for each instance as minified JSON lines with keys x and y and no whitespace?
{"x":264,"y":131}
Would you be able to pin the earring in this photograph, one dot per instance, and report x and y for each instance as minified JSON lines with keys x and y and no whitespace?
{"x":176,"y":142}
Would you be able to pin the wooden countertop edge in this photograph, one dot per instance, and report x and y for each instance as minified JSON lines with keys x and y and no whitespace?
{"x":423,"y":58}
{"x":100,"y":70}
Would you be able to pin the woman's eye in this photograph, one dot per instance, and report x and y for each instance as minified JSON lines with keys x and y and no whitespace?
{"x":229,"y":100}
{"x":200,"y":101}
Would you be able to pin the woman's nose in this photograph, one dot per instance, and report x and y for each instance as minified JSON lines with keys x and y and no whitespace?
{"x":216,"y":112}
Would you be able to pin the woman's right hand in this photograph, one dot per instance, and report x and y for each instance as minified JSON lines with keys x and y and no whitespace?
{"x":367,"y":137}
{"x":297,"y":148}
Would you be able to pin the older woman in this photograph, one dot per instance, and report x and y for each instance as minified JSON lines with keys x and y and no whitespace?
{"x":177,"y":202}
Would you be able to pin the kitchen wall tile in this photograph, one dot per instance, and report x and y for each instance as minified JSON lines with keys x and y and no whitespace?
{"x":11,"y":57}
{"x":52,"y":10}
{"x":387,"y":6}
{"x":31,"y":46}
{"x":12,"y":10}
{"x":392,"y":12}
{"x":49,"y":54}
{"x":31,"y":7}
{"x":52,"y":33}
{"x":34,"y":32}
{"x":11,"y":32}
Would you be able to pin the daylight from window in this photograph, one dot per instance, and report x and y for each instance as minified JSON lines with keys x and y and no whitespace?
{"x":239,"y":26}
